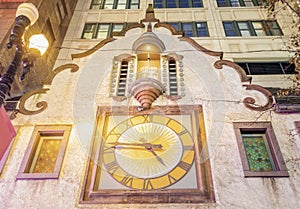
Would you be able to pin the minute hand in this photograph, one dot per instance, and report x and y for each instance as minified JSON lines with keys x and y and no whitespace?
{"x":137,"y":144}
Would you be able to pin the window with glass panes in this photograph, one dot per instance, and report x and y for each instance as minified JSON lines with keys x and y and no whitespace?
{"x":115,"y":4}
{"x":259,"y":150}
{"x":177,"y":3}
{"x":191,"y":29}
{"x":252,"y":28}
{"x":240,"y":3}
{"x":267,"y":68}
{"x":101,"y":30}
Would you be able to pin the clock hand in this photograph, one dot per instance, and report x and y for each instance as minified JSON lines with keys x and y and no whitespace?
{"x":149,"y":147}
{"x":155,"y":146}
{"x":159,"y":146}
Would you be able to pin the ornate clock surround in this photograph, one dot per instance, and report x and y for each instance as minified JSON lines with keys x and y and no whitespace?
{"x":203,"y":191}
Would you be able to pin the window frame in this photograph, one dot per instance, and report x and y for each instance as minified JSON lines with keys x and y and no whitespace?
{"x":242,"y":3}
{"x":38,"y":131}
{"x":237,"y":30}
{"x":266,"y":127}
{"x":162,"y":4}
{"x":95,"y":30}
{"x":115,"y":3}
{"x":248,"y":67}
{"x":179,"y":27}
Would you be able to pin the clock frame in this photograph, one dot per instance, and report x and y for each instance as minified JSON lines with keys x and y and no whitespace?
{"x":187,"y":180}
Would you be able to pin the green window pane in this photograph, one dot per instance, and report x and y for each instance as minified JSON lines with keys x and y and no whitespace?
{"x":258,"y":152}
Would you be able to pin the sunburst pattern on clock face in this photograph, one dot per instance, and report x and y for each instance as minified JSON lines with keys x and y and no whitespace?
{"x":148,"y":152}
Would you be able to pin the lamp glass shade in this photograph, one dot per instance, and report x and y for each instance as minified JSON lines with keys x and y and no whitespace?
{"x":39,"y":42}
{"x":28,"y":10}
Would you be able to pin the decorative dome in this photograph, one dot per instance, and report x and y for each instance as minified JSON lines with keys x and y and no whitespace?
{"x":148,"y":42}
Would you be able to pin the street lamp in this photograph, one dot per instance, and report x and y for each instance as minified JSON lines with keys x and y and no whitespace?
{"x":26,"y":15}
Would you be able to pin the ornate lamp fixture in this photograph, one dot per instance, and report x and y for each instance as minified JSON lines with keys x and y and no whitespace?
{"x":26,"y":15}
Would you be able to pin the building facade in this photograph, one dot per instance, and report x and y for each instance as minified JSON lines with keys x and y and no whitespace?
{"x":159,"y":104}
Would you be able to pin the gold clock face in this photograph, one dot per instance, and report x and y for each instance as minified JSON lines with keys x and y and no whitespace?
{"x":148,"y":152}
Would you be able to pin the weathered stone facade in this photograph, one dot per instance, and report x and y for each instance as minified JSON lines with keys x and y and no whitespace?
{"x":77,"y":87}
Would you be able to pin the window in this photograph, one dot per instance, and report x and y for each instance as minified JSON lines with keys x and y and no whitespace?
{"x":60,"y":10}
{"x":192,"y":29}
{"x":48,"y":32}
{"x":252,"y":28}
{"x":101,"y":30}
{"x":177,"y":3}
{"x":240,"y":3}
{"x":173,"y":77}
{"x":121,"y":91}
{"x":266,"y":68}
{"x":115,"y":4}
{"x":259,"y":150}
{"x":45,"y":152}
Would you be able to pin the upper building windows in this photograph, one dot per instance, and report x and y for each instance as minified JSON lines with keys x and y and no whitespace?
{"x":239,"y":3}
{"x":266,"y":68}
{"x":177,"y":3}
{"x":115,"y":4}
{"x":252,"y":28}
{"x":192,"y":29}
{"x":101,"y":30}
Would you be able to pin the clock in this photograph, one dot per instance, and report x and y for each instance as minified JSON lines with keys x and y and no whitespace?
{"x":148,"y":152}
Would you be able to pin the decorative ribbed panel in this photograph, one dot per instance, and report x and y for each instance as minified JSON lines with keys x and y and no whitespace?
{"x":146,"y":91}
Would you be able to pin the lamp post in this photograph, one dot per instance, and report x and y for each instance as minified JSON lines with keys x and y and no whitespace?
{"x":26,"y":15}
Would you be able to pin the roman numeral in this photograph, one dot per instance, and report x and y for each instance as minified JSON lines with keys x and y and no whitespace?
{"x":114,"y":132}
{"x":112,"y":167}
{"x":146,"y":119}
{"x":182,"y":132}
{"x":184,"y":165}
{"x":147,"y":184}
{"x":171,"y":179}
{"x":127,"y":180}
{"x":188,"y":147}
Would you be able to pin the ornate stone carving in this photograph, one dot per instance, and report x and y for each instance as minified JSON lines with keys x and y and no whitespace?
{"x":40,"y":105}
{"x":201,"y":48}
{"x":249,"y":102}
{"x":74,"y":68}
{"x":92,"y":50}
{"x":244,"y":78}
{"x":146,"y":91}
{"x":129,"y":27}
{"x":43,"y":105}
{"x":169,"y":27}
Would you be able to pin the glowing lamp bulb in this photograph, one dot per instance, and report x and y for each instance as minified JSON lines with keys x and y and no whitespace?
{"x":38,"y":42}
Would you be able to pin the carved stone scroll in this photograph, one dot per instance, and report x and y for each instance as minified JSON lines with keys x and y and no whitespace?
{"x":249,"y":102}
{"x":42,"y":105}
{"x":201,"y":48}
{"x":92,"y":50}
{"x":244,"y":77}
